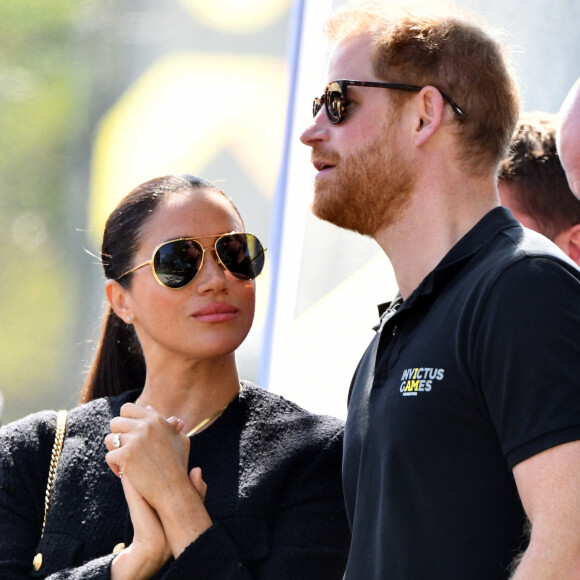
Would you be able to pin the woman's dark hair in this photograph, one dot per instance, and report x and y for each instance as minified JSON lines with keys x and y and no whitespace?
{"x":119,"y":365}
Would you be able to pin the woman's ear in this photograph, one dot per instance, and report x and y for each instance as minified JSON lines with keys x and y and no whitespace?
{"x":430,"y":109}
{"x":117,"y":297}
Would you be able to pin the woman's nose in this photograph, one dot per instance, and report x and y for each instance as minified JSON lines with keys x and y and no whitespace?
{"x":212,"y":276}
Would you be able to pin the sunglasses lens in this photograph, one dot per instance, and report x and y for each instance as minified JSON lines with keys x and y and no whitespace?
{"x":316,"y":106}
{"x":335,"y":101}
{"x":241,"y":254}
{"x":176,"y":263}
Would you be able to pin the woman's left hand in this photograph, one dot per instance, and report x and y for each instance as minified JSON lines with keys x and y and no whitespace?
{"x":152,"y":453}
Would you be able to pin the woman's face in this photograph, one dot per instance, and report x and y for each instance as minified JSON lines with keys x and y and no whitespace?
{"x":211,"y":316}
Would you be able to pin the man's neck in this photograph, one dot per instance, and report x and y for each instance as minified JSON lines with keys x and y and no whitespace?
{"x":434,"y":221}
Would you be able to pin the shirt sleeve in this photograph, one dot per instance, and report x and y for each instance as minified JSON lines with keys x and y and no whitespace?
{"x":527,"y":356}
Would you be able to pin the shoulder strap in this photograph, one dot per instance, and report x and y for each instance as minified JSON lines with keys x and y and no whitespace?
{"x":56,"y":450}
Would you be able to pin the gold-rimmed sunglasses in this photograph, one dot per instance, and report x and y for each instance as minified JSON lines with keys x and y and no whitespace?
{"x":176,"y":263}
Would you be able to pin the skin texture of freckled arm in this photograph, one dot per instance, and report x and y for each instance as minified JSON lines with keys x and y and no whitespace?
{"x":548,"y":484}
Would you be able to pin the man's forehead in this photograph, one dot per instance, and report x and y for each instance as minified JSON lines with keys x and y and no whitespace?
{"x":350,"y":59}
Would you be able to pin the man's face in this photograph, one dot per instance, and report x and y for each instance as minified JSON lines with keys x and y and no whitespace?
{"x":364,"y":174}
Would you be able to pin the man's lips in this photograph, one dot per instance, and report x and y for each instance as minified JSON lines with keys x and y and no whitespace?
{"x":322,"y":165}
{"x":216,"y":312}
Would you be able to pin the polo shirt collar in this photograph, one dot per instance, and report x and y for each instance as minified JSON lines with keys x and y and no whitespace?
{"x":495,"y":221}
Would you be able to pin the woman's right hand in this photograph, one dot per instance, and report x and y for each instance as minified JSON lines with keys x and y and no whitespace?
{"x":198,"y":483}
{"x":149,"y":549}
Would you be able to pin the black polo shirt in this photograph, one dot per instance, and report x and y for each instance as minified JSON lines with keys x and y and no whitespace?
{"x":477,"y":370}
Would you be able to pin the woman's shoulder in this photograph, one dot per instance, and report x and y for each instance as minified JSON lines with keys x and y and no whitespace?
{"x":39,"y":427}
{"x":268,"y":408}
{"x":25,"y":448}
{"x":28,"y":431}
{"x":281,"y":439}
{"x":102,"y":409}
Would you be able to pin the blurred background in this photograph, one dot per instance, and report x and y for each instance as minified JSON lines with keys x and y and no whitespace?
{"x":97,"y":96}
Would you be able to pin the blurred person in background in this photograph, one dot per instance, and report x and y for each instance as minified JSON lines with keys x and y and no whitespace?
{"x":533,"y":185}
{"x":206,"y":476}
{"x":569,"y":137}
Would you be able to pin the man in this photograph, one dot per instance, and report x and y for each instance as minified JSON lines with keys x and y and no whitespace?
{"x":532,"y":184}
{"x":569,"y":137}
{"x":464,"y":412}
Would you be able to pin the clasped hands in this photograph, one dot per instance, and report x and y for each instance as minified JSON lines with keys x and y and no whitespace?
{"x":150,"y":454}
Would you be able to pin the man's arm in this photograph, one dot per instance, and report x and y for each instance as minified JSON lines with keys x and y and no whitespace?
{"x":549,"y":487}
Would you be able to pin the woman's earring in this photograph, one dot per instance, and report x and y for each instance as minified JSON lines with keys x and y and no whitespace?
{"x":129,"y":319}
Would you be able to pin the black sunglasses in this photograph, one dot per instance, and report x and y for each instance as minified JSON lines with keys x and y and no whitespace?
{"x":176,"y":263}
{"x":335,"y":99}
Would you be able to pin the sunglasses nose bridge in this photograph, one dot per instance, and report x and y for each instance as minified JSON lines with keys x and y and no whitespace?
{"x":215,"y":258}
{"x":320,"y":123}
{"x":211,"y":276}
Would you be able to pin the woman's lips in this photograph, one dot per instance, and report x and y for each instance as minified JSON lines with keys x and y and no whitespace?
{"x":216,"y":312}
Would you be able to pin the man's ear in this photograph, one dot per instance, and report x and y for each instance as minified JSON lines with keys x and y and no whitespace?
{"x":430,"y":108}
{"x":569,"y":242}
{"x":118,"y":300}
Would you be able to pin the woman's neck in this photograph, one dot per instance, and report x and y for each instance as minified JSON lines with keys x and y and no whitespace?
{"x":193,"y":392}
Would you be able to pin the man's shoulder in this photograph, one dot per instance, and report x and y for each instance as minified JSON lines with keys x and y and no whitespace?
{"x":530,"y":244}
{"x":519,"y":251}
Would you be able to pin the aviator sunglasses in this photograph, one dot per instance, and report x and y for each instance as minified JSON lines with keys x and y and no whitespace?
{"x":176,"y":263}
{"x":335,"y":100}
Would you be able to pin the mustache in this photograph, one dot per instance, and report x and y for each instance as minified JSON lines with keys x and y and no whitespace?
{"x":328,"y":157}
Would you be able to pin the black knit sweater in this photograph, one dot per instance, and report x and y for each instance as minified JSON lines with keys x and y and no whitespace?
{"x":274,"y":495}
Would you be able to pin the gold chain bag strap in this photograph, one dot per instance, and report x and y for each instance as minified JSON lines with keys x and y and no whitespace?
{"x":56,"y":450}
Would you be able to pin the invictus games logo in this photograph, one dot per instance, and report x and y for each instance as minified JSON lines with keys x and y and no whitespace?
{"x":419,"y":380}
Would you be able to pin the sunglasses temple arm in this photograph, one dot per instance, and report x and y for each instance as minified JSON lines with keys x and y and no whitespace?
{"x":148,"y":262}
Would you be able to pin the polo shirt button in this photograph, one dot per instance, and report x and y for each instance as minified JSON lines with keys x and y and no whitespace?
{"x":395,"y":330}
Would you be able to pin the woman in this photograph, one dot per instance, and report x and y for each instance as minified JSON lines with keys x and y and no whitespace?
{"x":203,"y":476}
